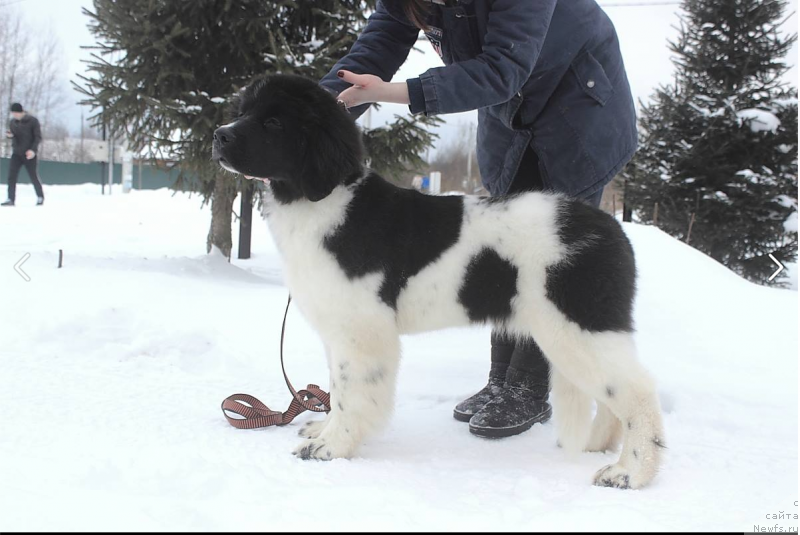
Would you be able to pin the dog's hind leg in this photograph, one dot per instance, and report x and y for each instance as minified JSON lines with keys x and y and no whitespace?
{"x":606,"y":430}
{"x":364,"y":365}
{"x":605,"y":367}
{"x":630,"y":394}
{"x":573,"y":412}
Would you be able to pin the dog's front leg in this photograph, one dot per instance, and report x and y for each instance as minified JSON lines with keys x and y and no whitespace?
{"x":363,"y":374}
{"x":313,"y":428}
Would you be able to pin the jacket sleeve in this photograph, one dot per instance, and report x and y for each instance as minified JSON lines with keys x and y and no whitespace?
{"x":515,"y":34}
{"x":381,"y":49}
{"x":37,"y":135}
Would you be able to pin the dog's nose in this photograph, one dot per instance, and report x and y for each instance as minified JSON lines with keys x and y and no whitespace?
{"x":224,"y":135}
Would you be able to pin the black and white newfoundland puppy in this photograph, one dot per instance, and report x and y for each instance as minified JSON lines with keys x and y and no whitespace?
{"x":366,"y":261}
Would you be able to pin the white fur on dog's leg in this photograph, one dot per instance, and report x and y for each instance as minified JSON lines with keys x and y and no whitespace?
{"x":325,"y":447}
{"x":606,"y":430}
{"x":573,"y":413}
{"x":629,"y":392}
{"x":363,"y":376}
{"x":312,"y":429}
{"x":604,"y":366}
{"x":643,"y":444}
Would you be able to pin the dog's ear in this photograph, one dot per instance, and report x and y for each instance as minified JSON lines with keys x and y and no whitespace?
{"x":332,"y":153}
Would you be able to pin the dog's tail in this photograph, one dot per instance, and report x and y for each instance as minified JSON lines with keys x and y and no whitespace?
{"x":573,"y":413}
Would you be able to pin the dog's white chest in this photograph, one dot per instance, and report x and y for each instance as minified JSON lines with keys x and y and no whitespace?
{"x":313,"y":276}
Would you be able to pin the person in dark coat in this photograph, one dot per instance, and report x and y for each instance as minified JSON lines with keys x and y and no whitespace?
{"x":26,"y":134}
{"x":555,"y":112}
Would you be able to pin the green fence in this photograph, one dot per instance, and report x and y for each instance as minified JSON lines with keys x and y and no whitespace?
{"x":61,"y":173}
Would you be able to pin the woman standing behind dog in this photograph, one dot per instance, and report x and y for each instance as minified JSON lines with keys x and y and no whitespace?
{"x":555,"y":112}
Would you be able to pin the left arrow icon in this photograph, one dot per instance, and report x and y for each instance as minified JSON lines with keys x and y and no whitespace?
{"x":18,"y":267}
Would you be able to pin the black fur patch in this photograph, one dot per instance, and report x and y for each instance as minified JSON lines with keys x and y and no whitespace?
{"x":596,"y":285}
{"x":489,"y":286}
{"x":499,"y":200}
{"x":395,"y":231}
{"x":609,"y":392}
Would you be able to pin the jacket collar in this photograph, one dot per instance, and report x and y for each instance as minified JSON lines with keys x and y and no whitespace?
{"x":395,"y":7}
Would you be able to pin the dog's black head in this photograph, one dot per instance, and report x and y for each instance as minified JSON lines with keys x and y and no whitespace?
{"x":291,"y":131}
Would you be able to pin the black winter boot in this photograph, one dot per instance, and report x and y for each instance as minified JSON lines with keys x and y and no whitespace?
{"x":522,"y":402}
{"x":465,"y":410}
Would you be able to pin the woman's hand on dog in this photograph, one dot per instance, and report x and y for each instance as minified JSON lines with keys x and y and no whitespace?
{"x":368,"y":88}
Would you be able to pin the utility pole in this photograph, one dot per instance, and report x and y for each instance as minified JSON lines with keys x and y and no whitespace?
{"x":368,"y":118}
{"x":103,"y":164}
{"x":83,"y":154}
{"x":472,"y":145}
{"x":110,"y":161}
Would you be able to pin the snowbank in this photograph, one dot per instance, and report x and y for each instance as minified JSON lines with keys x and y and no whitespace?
{"x":113,"y":368}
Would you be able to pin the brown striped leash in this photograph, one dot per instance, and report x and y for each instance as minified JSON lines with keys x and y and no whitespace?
{"x":253,"y":414}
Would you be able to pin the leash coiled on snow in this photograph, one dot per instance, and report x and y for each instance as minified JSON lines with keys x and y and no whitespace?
{"x":252,"y":414}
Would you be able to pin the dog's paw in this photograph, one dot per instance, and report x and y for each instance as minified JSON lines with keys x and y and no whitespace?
{"x":616,"y":476}
{"x":312,"y":429}
{"x":321,"y":449}
{"x":313,"y":449}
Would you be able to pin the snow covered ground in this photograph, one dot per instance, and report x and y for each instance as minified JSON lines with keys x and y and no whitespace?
{"x":112,"y":370}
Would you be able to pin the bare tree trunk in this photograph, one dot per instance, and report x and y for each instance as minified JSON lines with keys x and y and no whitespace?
{"x":219,"y":235}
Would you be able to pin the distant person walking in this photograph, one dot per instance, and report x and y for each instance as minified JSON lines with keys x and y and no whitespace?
{"x":26,"y":134}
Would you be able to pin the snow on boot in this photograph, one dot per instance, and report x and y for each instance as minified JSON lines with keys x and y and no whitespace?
{"x":522,"y":402}
{"x":7,"y":203}
{"x":40,"y":201}
{"x":465,"y":410}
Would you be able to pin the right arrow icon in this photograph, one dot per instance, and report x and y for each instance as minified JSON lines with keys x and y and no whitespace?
{"x":781,"y":267}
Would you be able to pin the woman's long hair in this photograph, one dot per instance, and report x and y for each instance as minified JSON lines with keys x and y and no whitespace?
{"x":417,"y":12}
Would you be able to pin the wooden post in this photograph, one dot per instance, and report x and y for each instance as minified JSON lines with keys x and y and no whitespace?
{"x":691,"y":224}
{"x":655,"y":214}
{"x":627,"y":211}
{"x":246,"y":221}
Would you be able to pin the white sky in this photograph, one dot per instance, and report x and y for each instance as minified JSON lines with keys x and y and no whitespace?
{"x":643,"y":33}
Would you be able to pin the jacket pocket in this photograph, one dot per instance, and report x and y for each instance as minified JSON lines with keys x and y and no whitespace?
{"x":592,"y":78}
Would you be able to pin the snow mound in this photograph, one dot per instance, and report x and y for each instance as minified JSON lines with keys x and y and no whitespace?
{"x":112,"y":370}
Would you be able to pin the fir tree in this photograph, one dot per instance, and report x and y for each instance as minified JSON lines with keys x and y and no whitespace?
{"x":163,"y":71}
{"x":717,"y":165}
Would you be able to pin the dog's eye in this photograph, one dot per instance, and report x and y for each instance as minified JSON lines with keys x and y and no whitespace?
{"x":272,"y":122}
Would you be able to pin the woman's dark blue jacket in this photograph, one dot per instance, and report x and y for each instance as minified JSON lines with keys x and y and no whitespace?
{"x":544,"y":73}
